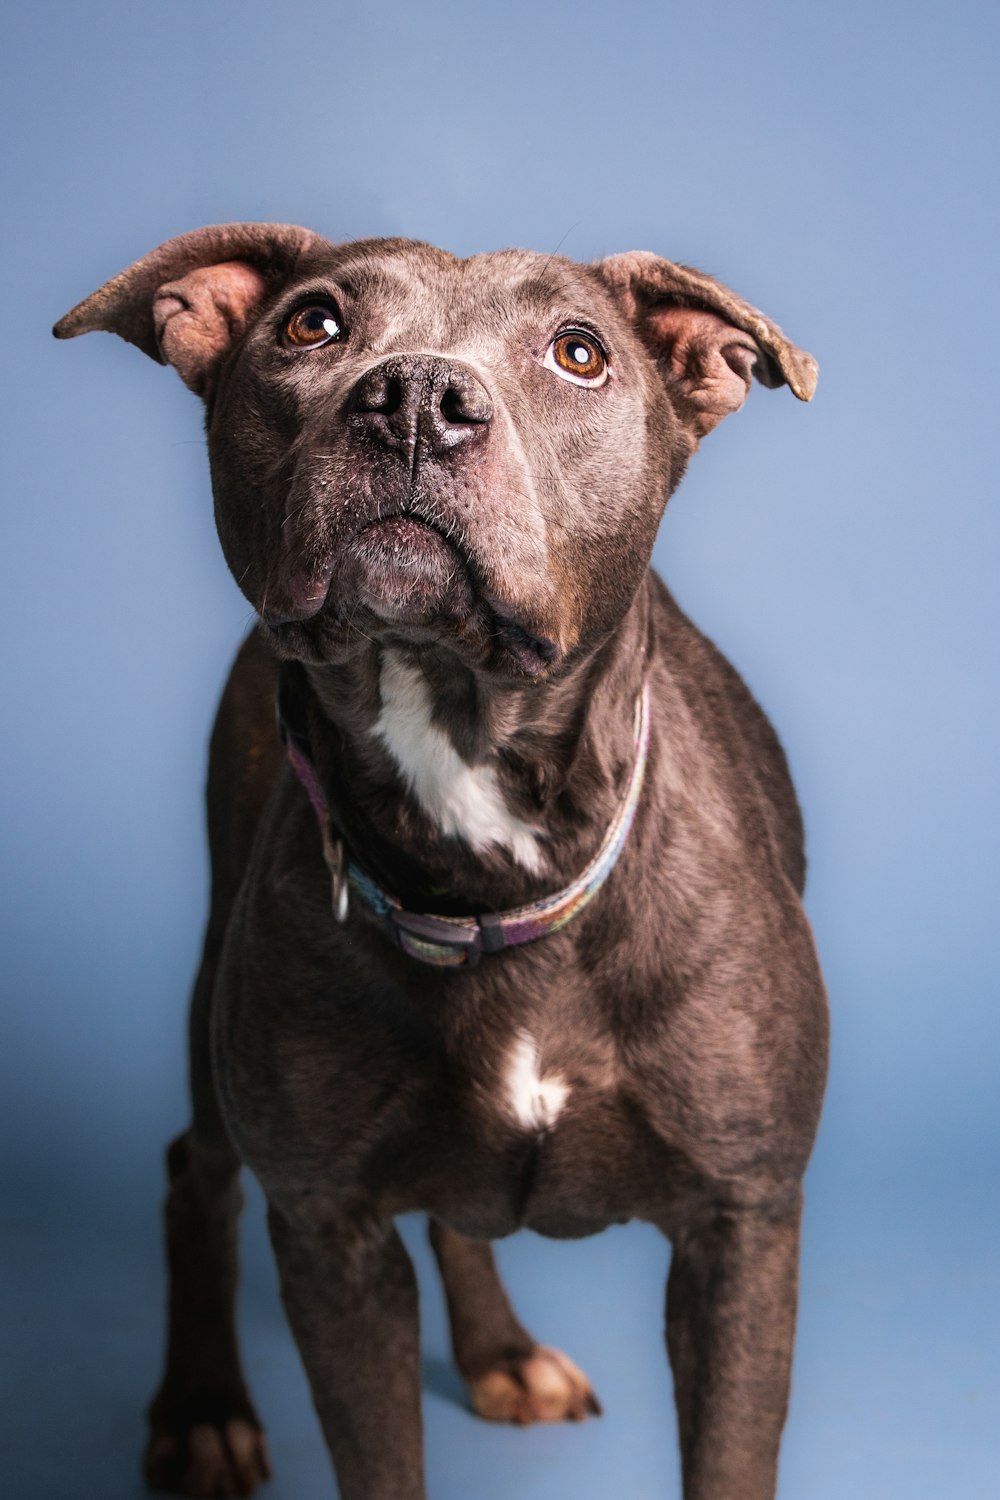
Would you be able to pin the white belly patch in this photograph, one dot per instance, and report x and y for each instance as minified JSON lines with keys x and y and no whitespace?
{"x":534,"y":1100}
{"x":464,"y":801}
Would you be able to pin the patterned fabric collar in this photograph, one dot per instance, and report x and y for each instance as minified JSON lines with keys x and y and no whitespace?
{"x":453,"y":942}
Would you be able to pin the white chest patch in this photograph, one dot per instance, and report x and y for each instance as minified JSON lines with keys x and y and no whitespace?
{"x":464,"y":801}
{"x":534,"y":1100}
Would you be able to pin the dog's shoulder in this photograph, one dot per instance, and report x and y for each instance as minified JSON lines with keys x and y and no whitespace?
{"x":730,"y":719}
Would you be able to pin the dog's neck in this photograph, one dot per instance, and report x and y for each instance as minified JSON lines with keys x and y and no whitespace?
{"x":459,"y":794}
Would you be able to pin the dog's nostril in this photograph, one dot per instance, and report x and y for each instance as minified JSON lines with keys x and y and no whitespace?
{"x":461,"y":403}
{"x":380,"y":392}
{"x":392,"y":399}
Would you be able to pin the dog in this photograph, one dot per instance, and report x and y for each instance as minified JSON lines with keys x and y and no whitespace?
{"x":505,"y":922}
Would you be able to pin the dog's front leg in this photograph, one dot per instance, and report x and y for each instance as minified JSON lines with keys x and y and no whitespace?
{"x":730,"y":1326}
{"x":351,"y":1297}
{"x":511,"y":1377}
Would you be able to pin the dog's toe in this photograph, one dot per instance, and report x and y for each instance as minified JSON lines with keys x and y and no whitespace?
{"x":248,"y":1451}
{"x":209,"y":1461}
{"x":543,"y":1386}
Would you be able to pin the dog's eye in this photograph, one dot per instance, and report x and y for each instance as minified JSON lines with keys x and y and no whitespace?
{"x":312,"y":326}
{"x":577,"y":356}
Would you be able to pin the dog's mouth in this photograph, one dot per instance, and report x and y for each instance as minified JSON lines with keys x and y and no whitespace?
{"x":402,"y":572}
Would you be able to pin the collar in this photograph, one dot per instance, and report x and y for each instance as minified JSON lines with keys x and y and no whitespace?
{"x":453,"y":942}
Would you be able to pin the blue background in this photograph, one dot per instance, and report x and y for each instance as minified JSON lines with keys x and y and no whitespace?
{"x":835,"y":163}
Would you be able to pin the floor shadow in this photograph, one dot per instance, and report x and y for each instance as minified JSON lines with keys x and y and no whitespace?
{"x":441,"y":1377}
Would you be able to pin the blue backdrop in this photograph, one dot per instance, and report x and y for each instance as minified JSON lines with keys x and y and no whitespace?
{"x":835,"y":163}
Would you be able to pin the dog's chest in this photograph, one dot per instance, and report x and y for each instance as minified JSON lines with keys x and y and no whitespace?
{"x":528,"y":1093}
{"x":532,"y":1130}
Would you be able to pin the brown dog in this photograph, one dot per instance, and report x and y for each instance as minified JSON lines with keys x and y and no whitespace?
{"x":565,"y":977}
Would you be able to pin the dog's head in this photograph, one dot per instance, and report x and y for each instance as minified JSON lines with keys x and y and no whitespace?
{"x":475,"y":452}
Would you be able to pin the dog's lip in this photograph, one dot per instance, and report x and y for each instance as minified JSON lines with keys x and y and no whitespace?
{"x":526,"y":649}
{"x":411,"y":541}
{"x":405,"y":522}
{"x":532,"y":652}
{"x":314,"y":598}
{"x":282,"y":622}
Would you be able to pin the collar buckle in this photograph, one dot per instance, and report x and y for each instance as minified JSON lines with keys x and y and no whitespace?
{"x":446,"y":942}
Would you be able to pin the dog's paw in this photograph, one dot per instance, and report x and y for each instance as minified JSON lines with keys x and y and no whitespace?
{"x":208,"y":1459}
{"x":543,"y":1386}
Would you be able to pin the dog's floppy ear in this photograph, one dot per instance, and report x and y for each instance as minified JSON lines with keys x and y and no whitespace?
{"x":709,"y":343}
{"x":185,"y":302}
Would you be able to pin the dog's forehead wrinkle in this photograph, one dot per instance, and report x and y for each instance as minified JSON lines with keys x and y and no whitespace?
{"x":360,"y":260}
{"x":450,"y":302}
{"x":397,"y":286}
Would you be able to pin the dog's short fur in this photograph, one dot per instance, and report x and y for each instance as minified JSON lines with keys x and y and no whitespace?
{"x":444,"y":520}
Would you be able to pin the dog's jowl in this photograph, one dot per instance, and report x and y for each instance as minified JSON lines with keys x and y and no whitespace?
{"x":506,"y":922}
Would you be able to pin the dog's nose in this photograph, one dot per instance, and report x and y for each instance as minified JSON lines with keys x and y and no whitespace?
{"x":413,"y":398}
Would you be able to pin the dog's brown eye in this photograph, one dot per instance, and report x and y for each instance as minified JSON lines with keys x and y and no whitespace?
{"x":577,"y":356}
{"x":313,"y":325}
